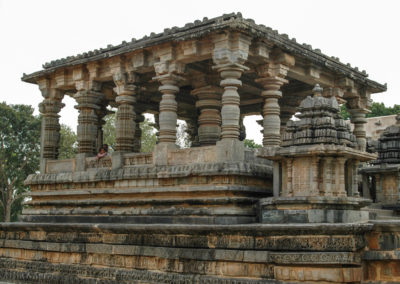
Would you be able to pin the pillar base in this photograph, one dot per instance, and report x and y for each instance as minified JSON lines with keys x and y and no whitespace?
{"x":313,"y":210}
{"x":160,"y":153}
{"x":81,"y":161}
{"x":230,"y":150}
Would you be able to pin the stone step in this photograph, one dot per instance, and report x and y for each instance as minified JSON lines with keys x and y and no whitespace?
{"x":381,"y":214}
{"x":387,"y":217}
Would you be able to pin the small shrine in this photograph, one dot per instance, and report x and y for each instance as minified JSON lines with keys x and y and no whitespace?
{"x":381,"y":179}
{"x":317,"y":167}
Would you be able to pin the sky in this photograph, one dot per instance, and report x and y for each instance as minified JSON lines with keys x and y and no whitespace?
{"x":363,"y":33}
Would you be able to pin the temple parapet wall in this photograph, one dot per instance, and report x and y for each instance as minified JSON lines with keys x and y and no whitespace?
{"x":192,"y":187}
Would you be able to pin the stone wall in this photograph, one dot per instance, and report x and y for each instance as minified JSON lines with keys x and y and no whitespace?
{"x":192,"y":188}
{"x":123,"y":253}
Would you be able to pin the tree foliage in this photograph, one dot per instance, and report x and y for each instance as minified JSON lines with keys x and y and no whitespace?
{"x":109,"y":130}
{"x":19,"y":155}
{"x":182,"y":137}
{"x":249,"y":143}
{"x":68,"y":143}
{"x":377,"y":109}
{"x":68,"y":140}
{"x":344,"y":113}
{"x":149,"y":137}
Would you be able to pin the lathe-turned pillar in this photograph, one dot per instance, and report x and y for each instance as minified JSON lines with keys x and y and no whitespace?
{"x":359,"y":120}
{"x":229,"y":55}
{"x":272,"y":77}
{"x":209,"y":120}
{"x":125,"y":124}
{"x":168,"y":77}
{"x":50,"y":134}
{"x":230,"y":111}
{"x":50,"y":128}
{"x":89,"y":103}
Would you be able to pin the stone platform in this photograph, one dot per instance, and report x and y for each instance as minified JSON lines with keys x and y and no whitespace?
{"x":123,"y":253}
{"x":192,"y":189}
{"x":313,"y":209}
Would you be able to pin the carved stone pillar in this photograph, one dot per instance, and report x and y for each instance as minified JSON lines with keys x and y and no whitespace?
{"x":230,"y":111}
{"x":326,"y":187}
{"x":314,"y":176}
{"x":125,"y":125}
{"x":340,"y":188}
{"x":229,"y":54}
{"x":289,"y":172}
{"x":209,"y":120}
{"x":354,"y":178}
{"x":272,"y":78}
{"x":168,"y":108}
{"x":50,"y":133}
{"x":89,"y":102}
{"x":168,"y":75}
{"x":359,"y":120}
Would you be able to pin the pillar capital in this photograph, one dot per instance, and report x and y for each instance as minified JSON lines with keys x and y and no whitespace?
{"x":230,"y":49}
{"x":50,"y":106}
{"x":125,"y":83}
{"x":48,"y":90}
{"x":169,"y":69}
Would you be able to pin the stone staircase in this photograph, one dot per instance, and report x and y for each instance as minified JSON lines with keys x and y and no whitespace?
{"x":377,"y":213}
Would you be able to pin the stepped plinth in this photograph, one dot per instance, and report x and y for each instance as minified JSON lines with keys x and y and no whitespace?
{"x":192,"y":187}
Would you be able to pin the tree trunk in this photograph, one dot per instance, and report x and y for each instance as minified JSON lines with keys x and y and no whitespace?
{"x":7,"y":211}
{"x":7,"y":208}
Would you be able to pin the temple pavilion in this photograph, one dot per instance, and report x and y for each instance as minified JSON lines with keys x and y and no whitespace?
{"x":216,"y":212}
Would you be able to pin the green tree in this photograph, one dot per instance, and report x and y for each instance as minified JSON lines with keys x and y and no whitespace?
{"x":249,"y":143}
{"x":344,"y":113}
{"x":68,"y":143}
{"x":109,"y":130}
{"x":379,"y":109}
{"x":19,"y":156}
{"x":149,"y":137}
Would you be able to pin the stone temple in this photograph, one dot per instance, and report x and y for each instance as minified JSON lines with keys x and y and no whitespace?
{"x":290,"y":212}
